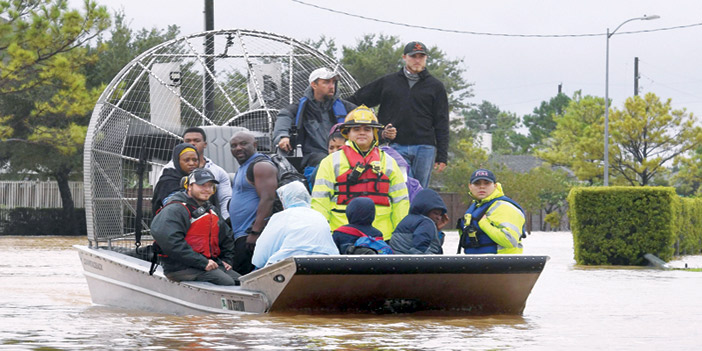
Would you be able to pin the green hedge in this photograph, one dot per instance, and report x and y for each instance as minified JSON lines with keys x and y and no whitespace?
{"x":40,"y":221}
{"x":689,"y":238}
{"x":618,"y":225}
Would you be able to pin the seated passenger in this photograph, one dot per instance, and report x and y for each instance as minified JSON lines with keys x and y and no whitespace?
{"x":360,"y":213}
{"x":197,"y":244}
{"x":198,"y":137}
{"x":420,"y":232}
{"x":295,"y":231}
{"x":494,"y":223}
{"x":185,"y":159}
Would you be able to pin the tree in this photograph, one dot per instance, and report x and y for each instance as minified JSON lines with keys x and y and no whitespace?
{"x":123,"y":45}
{"x":373,"y":58}
{"x":466,"y":157}
{"x":647,"y":134}
{"x":542,"y":121}
{"x":482,"y":117}
{"x":577,"y":140}
{"x":325,"y":45}
{"x":502,"y":125}
{"x":41,"y":61}
{"x":688,"y":179}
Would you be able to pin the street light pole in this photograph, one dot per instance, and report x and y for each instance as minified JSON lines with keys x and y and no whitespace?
{"x":606,"y":121}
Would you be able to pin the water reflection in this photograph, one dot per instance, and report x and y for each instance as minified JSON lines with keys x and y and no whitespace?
{"x":45,"y":303}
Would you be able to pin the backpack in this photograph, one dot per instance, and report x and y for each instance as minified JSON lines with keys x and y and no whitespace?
{"x":287,"y":174}
{"x":376,"y":244}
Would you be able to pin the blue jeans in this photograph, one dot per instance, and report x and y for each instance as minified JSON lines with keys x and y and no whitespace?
{"x":420,"y":159}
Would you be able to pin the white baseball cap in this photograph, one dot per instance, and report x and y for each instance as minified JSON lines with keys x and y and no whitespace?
{"x":322,"y":73}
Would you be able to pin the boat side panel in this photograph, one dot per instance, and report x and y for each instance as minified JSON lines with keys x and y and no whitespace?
{"x":119,"y":283}
{"x":467,"y":293}
{"x":413,"y":264}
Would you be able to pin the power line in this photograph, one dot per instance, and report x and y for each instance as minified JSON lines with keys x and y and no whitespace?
{"x":488,"y":33}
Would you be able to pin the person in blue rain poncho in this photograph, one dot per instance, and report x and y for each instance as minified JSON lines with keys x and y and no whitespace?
{"x":295,"y":231}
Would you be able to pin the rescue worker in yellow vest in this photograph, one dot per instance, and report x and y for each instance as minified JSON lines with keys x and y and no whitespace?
{"x":361,"y":169}
{"x":493,"y":223}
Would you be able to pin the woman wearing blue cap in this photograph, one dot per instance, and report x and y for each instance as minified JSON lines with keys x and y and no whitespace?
{"x":493,"y":223}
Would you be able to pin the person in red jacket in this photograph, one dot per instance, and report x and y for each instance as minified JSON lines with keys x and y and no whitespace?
{"x":196,"y":243}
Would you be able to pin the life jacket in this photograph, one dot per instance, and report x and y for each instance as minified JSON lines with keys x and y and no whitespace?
{"x":338,"y":108}
{"x":203,"y":234}
{"x":364,"y":178}
{"x":480,"y":242}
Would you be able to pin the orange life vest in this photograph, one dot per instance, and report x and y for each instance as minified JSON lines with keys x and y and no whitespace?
{"x":365,"y":178}
{"x":203,"y":234}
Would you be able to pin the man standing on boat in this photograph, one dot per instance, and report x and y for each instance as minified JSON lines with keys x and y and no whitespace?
{"x":196,"y":137}
{"x":306,"y":122}
{"x":196,"y":243}
{"x":493,"y":223}
{"x":416,"y":104}
{"x":253,"y":194}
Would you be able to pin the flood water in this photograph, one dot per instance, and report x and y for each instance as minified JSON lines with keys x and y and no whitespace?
{"x":45,"y":305}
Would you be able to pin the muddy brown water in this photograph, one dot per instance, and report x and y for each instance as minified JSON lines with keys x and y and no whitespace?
{"x":45,"y":304}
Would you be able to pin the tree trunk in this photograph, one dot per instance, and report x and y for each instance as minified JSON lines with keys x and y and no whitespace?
{"x":69,"y":213}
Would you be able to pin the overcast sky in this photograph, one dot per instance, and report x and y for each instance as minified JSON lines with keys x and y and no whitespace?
{"x":515,"y":73}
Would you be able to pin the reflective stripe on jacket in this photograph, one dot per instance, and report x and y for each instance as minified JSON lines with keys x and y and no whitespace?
{"x":370,"y":181}
{"x":325,"y":198}
{"x":501,"y":225}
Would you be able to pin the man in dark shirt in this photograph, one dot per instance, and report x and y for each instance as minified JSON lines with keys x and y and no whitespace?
{"x":308,"y":121}
{"x":416,"y":104}
{"x":196,"y":243}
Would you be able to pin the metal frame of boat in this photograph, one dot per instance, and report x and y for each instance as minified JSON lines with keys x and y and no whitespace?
{"x":475,"y":284}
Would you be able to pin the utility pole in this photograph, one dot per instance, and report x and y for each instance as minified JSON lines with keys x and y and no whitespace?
{"x":560,"y":88}
{"x":636,"y":76}
{"x":208,"y":78}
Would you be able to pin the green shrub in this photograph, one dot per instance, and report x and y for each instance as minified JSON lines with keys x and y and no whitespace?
{"x":553,"y":219}
{"x":688,"y":240}
{"x":618,"y":225}
{"x":41,"y":221}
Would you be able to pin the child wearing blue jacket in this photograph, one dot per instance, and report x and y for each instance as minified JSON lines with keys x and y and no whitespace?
{"x":420,"y":231}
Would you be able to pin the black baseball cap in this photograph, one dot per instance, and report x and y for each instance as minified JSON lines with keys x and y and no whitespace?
{"x":482,"y":174}
{"x":201,"y":176}
{"x":415,"y":47}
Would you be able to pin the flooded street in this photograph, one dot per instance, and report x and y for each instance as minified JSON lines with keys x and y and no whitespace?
{"x":45,"y":304}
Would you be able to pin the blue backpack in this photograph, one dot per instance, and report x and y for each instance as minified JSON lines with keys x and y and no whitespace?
{"x":376,"y":244}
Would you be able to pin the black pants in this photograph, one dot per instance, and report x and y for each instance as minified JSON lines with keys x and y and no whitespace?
{"x":242,"y":257}
{"x":218,"y":276}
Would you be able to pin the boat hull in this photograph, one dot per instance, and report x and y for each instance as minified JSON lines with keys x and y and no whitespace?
{"x":118,"y":280}
{"x":462,"y":284}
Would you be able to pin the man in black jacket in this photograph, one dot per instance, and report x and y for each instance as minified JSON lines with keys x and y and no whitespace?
{"x":416,"y":104}
{"x":196,"y":243}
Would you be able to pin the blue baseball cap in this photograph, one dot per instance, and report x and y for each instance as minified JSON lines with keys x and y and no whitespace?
{"x":482,"y":174}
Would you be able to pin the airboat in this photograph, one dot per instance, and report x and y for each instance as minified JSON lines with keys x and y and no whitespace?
{"x":226,"y":81}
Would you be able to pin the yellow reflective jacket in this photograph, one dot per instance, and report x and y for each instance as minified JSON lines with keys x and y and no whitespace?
{"x":324,"y":198}
{"x":503,"y":223}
